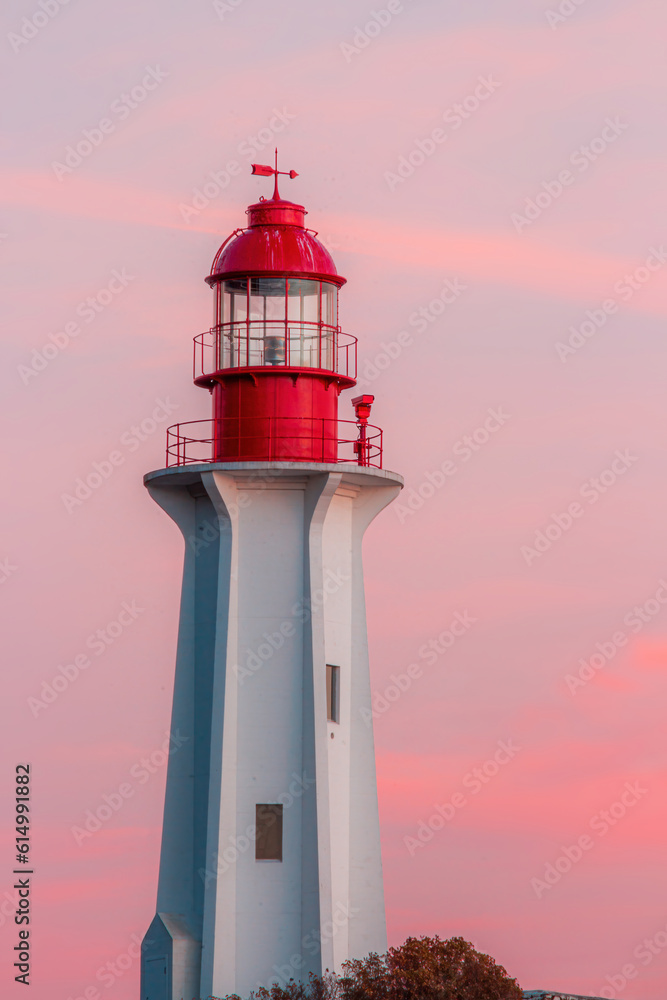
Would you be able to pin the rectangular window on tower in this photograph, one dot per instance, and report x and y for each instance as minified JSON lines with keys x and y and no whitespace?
{"x":269,"y":837}
{"x":333,"y":693}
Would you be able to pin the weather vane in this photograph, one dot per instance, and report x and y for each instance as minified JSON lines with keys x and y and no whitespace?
{"x":264,"y":171}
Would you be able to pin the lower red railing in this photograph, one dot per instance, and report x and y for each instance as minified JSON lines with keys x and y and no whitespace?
{"x":299,"y":439}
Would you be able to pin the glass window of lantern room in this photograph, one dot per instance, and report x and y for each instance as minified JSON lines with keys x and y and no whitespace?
{"x":267,"y":320}
{"x":224,"y":304}
{"x":303,"y":315}
{"x":329,"y":313}
{"x":233,"y":305}
{"x":329,"y":304}
{"x":267,"y":299}
{"x":234,"y":301}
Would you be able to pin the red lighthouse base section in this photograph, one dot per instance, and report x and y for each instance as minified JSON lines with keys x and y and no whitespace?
{"x":290,"y":415}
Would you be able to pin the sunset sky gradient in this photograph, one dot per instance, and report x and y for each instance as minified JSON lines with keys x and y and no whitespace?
{"x":68,"y":568}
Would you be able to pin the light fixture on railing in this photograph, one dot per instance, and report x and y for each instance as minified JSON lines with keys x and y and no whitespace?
{"x":362,"y":408}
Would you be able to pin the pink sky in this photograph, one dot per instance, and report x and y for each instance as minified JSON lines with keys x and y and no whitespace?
{"x":219,"y":77}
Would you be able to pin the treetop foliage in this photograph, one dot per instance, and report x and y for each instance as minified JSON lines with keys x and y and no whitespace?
{"x":422,"y":968}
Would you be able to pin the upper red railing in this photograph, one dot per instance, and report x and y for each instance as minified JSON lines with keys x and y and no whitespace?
{"x":275,"y":343}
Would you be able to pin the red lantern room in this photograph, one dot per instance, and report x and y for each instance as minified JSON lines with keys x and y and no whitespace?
{"x":275,"y":359}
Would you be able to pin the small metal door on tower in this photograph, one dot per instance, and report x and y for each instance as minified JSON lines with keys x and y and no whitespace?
{"x":156,"y":979}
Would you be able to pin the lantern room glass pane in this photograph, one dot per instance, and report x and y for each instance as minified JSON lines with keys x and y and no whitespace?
{"x":329,"y":304}
{"x":303,"y":317}
{"x":267,"y":298}
{"x":224,"y":304}
{"x":232,"y":320}
{"x":329,"y":314}
{"x":234,"y":300}
{"x":303,"y":300}
{"x":267,"y":321}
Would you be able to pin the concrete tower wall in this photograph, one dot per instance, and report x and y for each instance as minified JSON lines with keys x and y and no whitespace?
{"x":272,"y":593}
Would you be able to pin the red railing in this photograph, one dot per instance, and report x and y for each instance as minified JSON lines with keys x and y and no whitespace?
{"x":275,"y":343}
{"x":275,"y":439}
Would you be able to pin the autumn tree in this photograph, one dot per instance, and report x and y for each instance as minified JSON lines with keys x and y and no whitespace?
{"x":421,"y":969}
{"x":429,"y":969}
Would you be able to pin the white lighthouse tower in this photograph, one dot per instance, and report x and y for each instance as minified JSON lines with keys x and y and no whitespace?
{"x":270,"y":865}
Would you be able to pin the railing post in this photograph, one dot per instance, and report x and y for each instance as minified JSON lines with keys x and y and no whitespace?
{"x":363,"y":445}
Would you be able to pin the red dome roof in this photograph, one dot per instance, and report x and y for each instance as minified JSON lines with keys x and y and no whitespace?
{"x":275,"y":242}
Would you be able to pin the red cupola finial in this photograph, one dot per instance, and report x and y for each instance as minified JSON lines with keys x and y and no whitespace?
{"x":264,"y":171}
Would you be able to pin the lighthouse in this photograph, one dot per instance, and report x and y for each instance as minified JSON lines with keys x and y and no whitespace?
{"x":270,"y":864}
